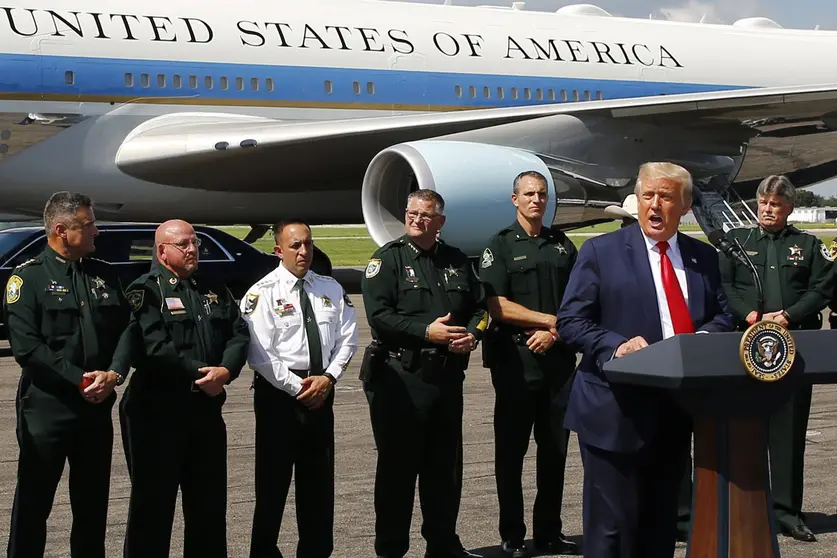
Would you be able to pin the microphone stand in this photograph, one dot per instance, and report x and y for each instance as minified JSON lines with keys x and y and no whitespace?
{"x":756,"y":280}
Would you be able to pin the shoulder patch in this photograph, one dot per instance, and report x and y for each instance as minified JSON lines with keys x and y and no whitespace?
{"x":13,"y":289}
{"x":487,"y":258}
{"x":347,"y":300}
{"x":827,"y":253}
{"x":373,"y":267}
{"x":250,"y":303}
{"x":135,"y":298}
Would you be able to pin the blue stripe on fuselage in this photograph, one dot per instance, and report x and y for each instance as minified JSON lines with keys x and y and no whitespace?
{"x":47,"y":75}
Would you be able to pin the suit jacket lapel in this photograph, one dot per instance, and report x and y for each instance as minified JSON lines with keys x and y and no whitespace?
{"x":647,"y":291}
{"x":694,"y":279}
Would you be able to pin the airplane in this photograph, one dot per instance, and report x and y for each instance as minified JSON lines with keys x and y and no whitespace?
{"x":334,"y":110}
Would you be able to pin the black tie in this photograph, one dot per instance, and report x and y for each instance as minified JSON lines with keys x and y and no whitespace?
{"x":312,"y":332}
{"x":88,"y":327}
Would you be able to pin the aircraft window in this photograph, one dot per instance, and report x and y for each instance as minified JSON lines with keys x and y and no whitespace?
{"x":539,"y":93}
{"x":599,"y":95}
{"x":370,"y":88}
{"x":501,"y":93}
{"x":69,"y":77}
{"x":514,"y":92}
{"x":225,"y":82}
{"x":329,"y":87}
{"x":575,"y":95}
{"x":527,"y":93}
{"x":458,"y":90}
{"x":145,"y":80}
{"x":269,"y":83}
{"x":254,"y":84}
{"x":564,"y":95}
{"x":177,"y":81}
{"x":472,"y":91}
{"x":486,"y":92}
{"x":239,"y":83}
{"x":129,"y":80}
{"x":193,"y":82}
{"x":586,"y":95}
{"x":208,"y":82}
{"x":161,"y":80}
{"x":356,"y":87}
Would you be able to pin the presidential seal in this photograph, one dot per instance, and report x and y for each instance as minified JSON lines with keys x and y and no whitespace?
{"x":767,"y":351}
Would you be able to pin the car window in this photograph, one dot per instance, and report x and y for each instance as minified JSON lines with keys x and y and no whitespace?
{"x":27,"y":253}
{"x":10,"y":242}
{"x":114,"y":246}
{"x":142,"y":249}
{"x":210,"y":249}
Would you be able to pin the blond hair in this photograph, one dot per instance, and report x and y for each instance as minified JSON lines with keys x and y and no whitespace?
{"x":659,"y":170}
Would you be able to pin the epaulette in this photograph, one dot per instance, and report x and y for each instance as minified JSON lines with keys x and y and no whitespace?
{"x":326,"y":277}
{"x":27,"y":263}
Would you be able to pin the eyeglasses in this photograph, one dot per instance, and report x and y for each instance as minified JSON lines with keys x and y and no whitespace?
{"x":184,"y":245}
{"x":420,"y":217}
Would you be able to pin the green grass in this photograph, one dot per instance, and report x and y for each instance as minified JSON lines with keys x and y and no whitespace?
{"x":357,"y":251}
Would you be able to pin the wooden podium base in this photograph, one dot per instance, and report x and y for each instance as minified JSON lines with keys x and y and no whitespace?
{"x":732,"y":511}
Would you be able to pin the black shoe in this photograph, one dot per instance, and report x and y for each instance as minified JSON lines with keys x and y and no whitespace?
{"x":682,"y":536}
{"x":515,"y":549}
{"x":800,"y":533}
{"x":559,"y":545}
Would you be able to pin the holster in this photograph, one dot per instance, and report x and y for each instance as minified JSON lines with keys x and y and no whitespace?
{"x":374,"y":356}
{"x":490,"y":346}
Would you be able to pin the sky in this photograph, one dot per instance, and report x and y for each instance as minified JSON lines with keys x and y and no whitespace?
{"x":797,"y":14}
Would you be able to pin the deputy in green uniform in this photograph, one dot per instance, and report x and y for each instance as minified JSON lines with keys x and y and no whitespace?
{"x":193,"y":343}
{"x":796,"y":272}
{"x":67,"y":319}
{"x":426,"y":309}
{"x":525,"y":269}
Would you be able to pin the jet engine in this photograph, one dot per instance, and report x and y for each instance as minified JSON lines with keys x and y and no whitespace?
{"x":475,"y":180}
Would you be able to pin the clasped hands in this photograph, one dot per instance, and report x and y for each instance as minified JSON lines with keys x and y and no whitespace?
{"x":457,"y":338}
{"x":97,"y":385}
{"x":214,"y":379}
{"x":314,"y":391}
{"x":777,"y":317}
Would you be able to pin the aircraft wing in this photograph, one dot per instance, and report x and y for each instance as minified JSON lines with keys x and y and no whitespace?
{"x":251,"y":154}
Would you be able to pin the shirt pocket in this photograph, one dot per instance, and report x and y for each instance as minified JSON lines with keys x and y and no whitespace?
{"x":522,"y":274}
{"x":326,"y":323}
{"x":61,"y":315}
{"x":415,"y":297}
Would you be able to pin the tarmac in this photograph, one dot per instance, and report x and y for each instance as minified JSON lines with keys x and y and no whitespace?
{"x":355,"y":472}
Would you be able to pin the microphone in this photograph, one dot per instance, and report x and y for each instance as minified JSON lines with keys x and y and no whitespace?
{"x":719,"y":241}
{"x":736,"y":251}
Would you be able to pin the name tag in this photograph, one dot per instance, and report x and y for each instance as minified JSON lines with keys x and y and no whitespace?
{"x":518,"y":258}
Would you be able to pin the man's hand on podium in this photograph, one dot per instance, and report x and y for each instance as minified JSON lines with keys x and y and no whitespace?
{"x":778,"y":317}
{"x":631,"y":346}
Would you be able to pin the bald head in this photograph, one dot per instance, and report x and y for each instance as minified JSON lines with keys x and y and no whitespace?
{"x":177,"y":247}
{"x":172,"y":228}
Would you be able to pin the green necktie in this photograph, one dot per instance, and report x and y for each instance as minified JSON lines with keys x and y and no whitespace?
{"x":772,"y":282}
{"x":312,"y":332}
{"x":88,"y":326}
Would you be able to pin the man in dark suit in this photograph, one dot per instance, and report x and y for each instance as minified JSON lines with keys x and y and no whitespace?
{"x":631,"y":288}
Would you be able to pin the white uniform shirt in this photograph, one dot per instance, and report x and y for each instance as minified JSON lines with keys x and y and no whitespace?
{"x":278,"y":342}
{"x":654,"y":258}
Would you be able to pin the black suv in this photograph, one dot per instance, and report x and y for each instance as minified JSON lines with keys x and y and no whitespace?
{"x":130,"y":247}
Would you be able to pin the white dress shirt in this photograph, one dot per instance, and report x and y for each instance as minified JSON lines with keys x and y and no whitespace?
{"x":278,"y":342}
{"x":654,"y":259}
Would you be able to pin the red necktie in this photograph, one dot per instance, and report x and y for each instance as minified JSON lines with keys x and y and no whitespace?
{"x":680,"y":318}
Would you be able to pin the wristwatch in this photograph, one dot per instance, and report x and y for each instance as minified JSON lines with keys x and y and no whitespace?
{"x":331,"y":379}
{"x":120,"y":379}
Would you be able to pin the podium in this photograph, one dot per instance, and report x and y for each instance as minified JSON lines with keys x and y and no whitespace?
{"x":732,"y":507}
